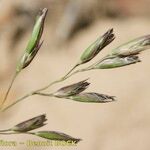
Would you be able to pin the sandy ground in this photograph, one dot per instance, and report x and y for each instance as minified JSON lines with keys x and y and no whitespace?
{"x":121,"y":125}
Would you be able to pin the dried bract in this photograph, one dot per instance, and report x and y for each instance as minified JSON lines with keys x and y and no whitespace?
{"x":30,"y":124}
{"x":72,"y":89}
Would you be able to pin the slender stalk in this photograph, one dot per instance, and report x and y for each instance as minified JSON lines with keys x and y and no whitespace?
{"x":39,"y":90}
{"x":71,"y":70}
{"x":9,"y":88}
{"x":17,"y":101}
{"x":44,"y":94}
{"x":57,"y":81}
{"x":5,"y":130}
{"x":49,"y":85}
{"x":32,"y":133}
{"x":9,"y":133}
{"x":78,"y":71}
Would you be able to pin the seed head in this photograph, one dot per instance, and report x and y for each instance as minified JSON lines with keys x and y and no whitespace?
{"x":133,"y":47}
{"x":34,"y":43}
{"x":30,"y":124}
{"x":114,"y":62}
{"x":97,"y":46}
{"x":92,"y":98}
{"x":57,"y":136}
{"x":72,"y":89}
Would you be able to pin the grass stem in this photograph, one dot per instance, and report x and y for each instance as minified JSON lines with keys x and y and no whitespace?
{"x":8,"y":90}
{"x":38,"y":92}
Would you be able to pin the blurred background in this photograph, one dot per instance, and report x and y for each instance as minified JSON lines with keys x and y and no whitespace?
{"x":71,"y":25}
